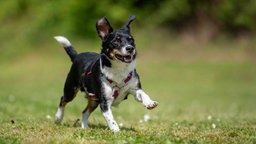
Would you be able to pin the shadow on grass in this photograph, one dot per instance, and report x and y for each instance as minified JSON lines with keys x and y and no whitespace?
{"x":101,"y":126}
{"x":77,"y":124}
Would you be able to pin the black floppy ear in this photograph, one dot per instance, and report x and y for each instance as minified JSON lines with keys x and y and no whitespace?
{"x":130,"y":19}
{"x":103,"y":27}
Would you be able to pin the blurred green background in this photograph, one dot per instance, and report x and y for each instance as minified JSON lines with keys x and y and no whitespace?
{"x":26,"y":25}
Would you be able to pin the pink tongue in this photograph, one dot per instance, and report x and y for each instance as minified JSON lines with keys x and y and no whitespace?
{"x":127,"y":57}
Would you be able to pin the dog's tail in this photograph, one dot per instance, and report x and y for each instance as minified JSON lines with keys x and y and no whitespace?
{"x":67,"y":46}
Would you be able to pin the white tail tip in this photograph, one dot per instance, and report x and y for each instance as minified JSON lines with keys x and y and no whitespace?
{"x":63,"y":41}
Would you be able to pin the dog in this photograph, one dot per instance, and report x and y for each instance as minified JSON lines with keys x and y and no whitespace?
{"x":106,"y":78}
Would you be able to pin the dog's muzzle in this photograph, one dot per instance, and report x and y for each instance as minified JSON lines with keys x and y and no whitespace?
{"x":126,"y":54}
{"x":124,"y":58}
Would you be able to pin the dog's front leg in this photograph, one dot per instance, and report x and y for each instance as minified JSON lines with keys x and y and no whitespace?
{"x":107,"y":114}
{"x":141,"y":96}
{"x":105,"y":105}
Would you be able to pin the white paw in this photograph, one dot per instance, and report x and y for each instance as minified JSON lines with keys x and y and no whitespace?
{"x":59,"y":116}
{"x":57,"y":120}
{"x":115,"y":129}
{"x":84,"y":125}
{"x":152,"y":105}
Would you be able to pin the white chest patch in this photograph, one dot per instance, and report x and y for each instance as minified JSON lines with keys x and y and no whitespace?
{"x":124,"y":91}
{"x":117,"y":93}
{"x":118,"y":70}
{"x":118,"y":81}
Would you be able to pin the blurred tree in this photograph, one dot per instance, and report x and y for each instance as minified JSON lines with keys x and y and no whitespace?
{"x":84,"y":14}
{"x":78,"y":17}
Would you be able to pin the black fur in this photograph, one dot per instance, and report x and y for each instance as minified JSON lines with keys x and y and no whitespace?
{"x":71,"y":52}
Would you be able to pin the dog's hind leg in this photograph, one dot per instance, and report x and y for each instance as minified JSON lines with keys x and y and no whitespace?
{"x":70,"y":91}
{"x":63,"y":101}
{"x":92,"y":105}
{"x":60,"y":112}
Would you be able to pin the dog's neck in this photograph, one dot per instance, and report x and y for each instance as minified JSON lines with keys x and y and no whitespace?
{"x":117,"y":71}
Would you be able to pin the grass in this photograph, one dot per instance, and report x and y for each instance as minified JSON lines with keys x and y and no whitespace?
{"x":205,"y":95}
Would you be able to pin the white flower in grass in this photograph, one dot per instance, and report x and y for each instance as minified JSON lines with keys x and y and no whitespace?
{"x":213,"y":125}
{"x":121,"y":124}
{"x":48,"y":117}
{"x":209,"y":117}
{"x":146,"y":117}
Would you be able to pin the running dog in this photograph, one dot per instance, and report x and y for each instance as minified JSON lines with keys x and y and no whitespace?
{"x":106,"y":78}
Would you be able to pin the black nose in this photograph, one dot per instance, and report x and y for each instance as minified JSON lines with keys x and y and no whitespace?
{"x":130,"y":49}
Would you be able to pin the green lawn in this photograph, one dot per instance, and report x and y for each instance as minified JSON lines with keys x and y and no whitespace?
{"x":205,"y":96}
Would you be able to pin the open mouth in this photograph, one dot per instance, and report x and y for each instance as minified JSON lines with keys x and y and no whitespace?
{"x":126,"y":58}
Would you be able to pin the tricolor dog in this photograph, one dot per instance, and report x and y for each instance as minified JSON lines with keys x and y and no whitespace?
{"x":106,"y":78}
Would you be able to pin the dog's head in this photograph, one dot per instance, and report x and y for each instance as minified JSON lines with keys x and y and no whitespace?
{"x":117,"y":45}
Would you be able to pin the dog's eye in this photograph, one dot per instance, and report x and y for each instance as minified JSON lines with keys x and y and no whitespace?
{"x":118,"y":39}
{"x":115,"y":44}
{"x":129,"y":38}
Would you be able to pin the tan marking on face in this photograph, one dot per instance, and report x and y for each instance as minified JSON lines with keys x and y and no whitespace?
{"x":113,"y":53}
